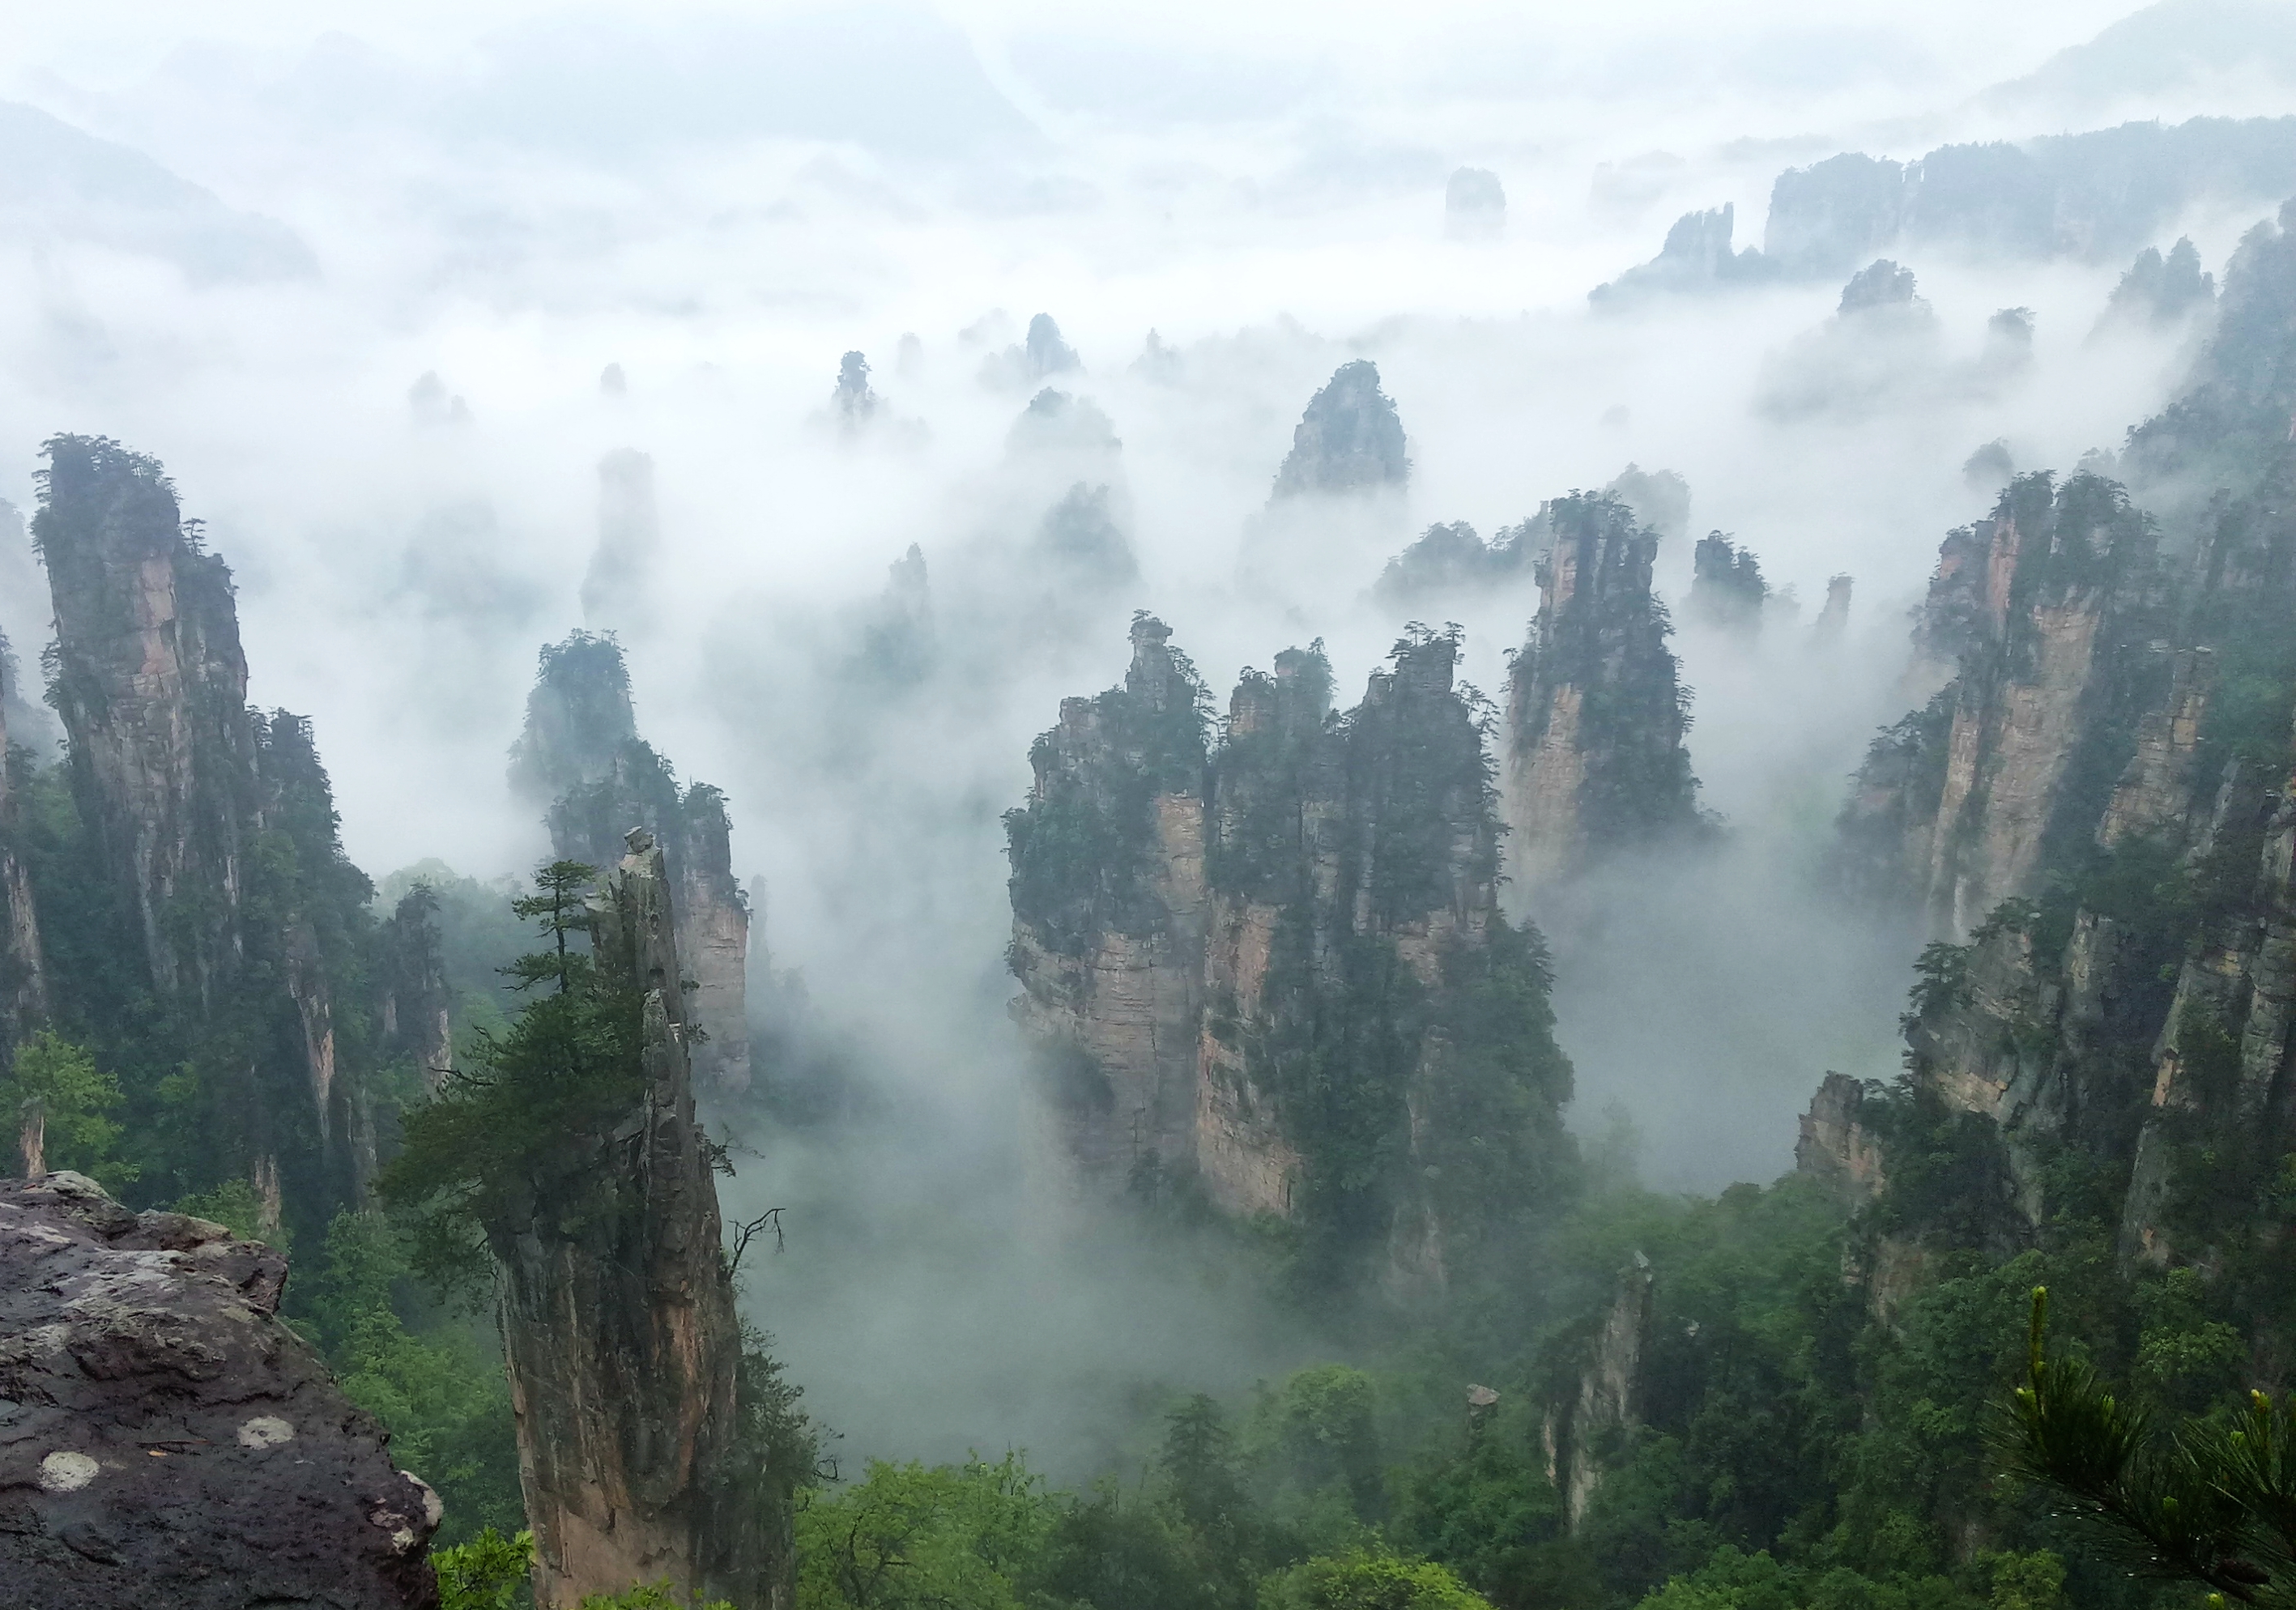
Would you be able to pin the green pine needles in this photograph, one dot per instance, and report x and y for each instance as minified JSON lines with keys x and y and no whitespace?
{"x":2211,"y":1500}
{"x":523,"y":1113}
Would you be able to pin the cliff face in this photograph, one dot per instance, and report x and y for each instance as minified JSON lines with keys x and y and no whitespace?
{"x":1727,"y":589}
{"x":1582,"y":1433}
{"x":213,"y":836}
{"x":2221,"y":1080}
{"x":1108,"y":913}
{"x":617,"y":1319}
{"x":167,"y":1440}
{"x":2101,"y":794}
{"x":1836,"y":1147}
{"x":1594,"y":713}
{"x":580,"y":750}
{"x":1293,"y":984}
{"x":153,"y":690}
{"x":1955,"y":807}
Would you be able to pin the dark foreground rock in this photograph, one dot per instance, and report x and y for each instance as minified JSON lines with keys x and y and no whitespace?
{"x":165,"y":1440}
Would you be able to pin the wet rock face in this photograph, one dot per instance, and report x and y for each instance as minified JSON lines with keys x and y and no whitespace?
{"x":165,"y":1439}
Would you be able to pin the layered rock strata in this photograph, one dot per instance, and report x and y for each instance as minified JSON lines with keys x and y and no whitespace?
{"x":165,"y":1440}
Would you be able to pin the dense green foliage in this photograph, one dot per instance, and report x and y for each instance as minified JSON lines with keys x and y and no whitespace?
{"x":1082,"y":850}
{"x":525,"y":1100}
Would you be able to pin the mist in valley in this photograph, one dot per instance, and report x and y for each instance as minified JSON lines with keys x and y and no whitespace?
{"x":383,"y":292}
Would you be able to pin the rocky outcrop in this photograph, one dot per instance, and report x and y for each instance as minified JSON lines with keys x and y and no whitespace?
{"x":1037,"y":357}
{"x":1595,"y":716}
{"x":1836,"y":1148}
{"x":1956,"y":806}
{"x":1475,"y":205}
{"x":855,"y":402}
{"x":152,"y":686}
{"x":416,"y":1011}
{"x":215,"y":824}
{"x":1833,"y":618}
{"x":1583,"y":1435}
{"x":1108,"y":913}
{"x":617,"y":1319}
{"x":1697,"y":256}
{"x":2159,"y":291}
{"x":1349,"y":440}
{"x":581,"y":750}
{"x":165,"y":1440}
{"x":1292,"y":983}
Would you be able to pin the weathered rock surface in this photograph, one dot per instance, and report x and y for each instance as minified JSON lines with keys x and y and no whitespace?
{"x":1955,"y":805}
{"x":215,"y":823}
{"x":1595,"y":712}
{"x":165,"y":1440}
{"x":152,"y":686}
{"x":1110,"y":962}
{"x":1835,"y":1148}
{"x":619,"y":1323}
{"x":1275,"y":980}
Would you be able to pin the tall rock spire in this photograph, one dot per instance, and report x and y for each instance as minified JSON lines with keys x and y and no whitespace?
{"x":215,"y":825}
{"x":1596,"y":715}
{"x":618,"y":1321}
{"x":152,"y":689}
